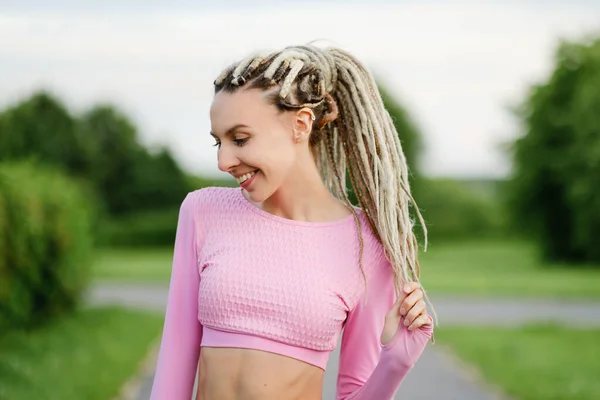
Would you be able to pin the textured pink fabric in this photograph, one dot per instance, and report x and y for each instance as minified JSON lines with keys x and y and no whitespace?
{"x":250,"y":279}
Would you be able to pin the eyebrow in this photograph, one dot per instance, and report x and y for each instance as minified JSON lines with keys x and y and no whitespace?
{"x":231,"y":130}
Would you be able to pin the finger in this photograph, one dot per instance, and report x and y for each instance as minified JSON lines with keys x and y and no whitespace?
{"x":410,"y":301}
{"x":407,"y":289}
{"x":399,"y":300}
{"x":410,"y":287}
{"x":415,"y":312}
{"x":423,"y":319}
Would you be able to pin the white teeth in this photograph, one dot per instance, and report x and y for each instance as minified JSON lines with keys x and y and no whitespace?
{"x":245,"y":177}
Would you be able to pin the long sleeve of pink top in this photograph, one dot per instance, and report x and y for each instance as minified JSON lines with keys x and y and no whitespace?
{"x":369,"y":370}
{"x":261,"y":275}
{"x":182,"y":332}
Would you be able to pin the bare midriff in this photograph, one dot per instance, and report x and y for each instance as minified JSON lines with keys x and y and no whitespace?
{"x":245,"y":374}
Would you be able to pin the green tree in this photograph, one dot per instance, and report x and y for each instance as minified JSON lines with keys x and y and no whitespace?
{"x":131,"y":178}
{"x":114,"y":151}
{"x":101,"y":146}
{"x":159,"y":182}
{"x":555,"y":188}
{"x":42,"y":128}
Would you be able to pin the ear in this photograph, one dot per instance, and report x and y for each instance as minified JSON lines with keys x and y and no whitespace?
{"x":302,"y":124}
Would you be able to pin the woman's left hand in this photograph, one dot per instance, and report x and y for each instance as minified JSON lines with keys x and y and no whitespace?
{"x":409,"y":309}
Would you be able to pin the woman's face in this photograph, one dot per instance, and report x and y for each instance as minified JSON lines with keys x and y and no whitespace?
{"x":255,"y":141}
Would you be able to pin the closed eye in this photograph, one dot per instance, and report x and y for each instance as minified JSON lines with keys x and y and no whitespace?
{"x":238,"y":142}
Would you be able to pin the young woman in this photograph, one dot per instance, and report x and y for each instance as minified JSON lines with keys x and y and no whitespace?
{"x":266,"y":276}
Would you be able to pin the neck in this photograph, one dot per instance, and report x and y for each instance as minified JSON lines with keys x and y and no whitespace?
{"x":304,"y":197}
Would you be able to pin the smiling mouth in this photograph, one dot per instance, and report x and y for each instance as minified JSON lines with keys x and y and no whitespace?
{"x":245,"y":177}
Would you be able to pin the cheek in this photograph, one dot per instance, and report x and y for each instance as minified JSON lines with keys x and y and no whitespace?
{"x":277,"y":163}
{"x":275,"y":157}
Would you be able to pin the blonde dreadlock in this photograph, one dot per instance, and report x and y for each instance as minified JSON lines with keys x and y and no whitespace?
{"x":354,"y":133}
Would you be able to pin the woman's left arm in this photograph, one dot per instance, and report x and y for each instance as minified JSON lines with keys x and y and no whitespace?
{"x":378,"y":350}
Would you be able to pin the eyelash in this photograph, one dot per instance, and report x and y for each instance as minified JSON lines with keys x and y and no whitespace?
{"x":238,"y":142}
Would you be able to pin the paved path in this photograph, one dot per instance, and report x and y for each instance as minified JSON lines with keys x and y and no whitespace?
{"x":437,"y":374}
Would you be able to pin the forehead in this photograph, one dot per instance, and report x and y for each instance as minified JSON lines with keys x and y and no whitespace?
{"x":241,"y":104}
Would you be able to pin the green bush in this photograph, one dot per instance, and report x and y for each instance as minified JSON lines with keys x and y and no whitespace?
{"x":45,"y":243}
{"x":452,"y":210}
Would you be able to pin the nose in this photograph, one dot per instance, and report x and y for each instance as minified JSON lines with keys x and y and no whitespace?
{"x":227,"y":159}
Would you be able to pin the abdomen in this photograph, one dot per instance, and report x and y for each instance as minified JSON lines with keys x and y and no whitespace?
{"x":236,"y":374}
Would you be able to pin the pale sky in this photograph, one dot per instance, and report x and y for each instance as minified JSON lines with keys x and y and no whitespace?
{"x":455,"y":66}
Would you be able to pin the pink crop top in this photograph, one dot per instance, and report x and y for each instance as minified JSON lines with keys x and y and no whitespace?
{"x":245,"y":278}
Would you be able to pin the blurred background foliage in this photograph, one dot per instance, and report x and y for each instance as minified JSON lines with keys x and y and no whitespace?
{"x":45,"y":244}
{"x":555,"y":188}
{"x":552,"y":195}
{"x":137,"y":193}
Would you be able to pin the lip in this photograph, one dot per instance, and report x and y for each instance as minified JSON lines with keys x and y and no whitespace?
{"x":246,"y":184}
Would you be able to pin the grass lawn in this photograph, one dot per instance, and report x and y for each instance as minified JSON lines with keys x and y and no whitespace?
{"x":537,"y":362}
{"x":466,"y":268}
{"x":502,"y":268}
{"x":134,"y":265}
{"x":88,"y":355}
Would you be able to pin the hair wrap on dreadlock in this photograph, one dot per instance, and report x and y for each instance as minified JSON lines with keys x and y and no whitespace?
{"x":332,"y":112}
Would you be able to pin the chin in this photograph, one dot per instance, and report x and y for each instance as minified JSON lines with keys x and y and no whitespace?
{"x":260,"y":193}
{"x":258,"y":196}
